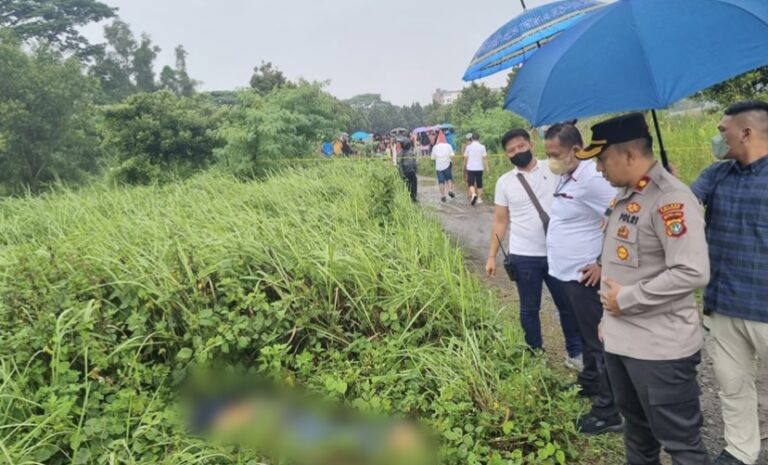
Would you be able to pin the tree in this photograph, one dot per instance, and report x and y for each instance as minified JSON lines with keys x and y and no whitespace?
{"x":54,"y":21}
{"x":474,"y":96}
{"x":168,"y":79}
{"x":160,"y":137}
{"x":375,"y":115}
{"x":185,"y":84}
{"x":114,"y":62}
{"x":290,"y":121}
{"x":45,"y":118}
{"x":750,"y":85}
{"x":266,"y":78}
{"x":144,"y":64}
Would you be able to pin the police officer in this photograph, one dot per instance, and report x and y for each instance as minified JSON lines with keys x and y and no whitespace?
{"x":654,"y":257}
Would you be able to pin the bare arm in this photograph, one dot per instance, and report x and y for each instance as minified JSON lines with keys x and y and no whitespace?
{"x":498,"y":232}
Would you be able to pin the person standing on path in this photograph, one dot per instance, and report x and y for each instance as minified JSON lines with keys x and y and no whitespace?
{"x":517,"y":212}
{"x":654,"y":257}
{"x":408,"y":166}
{"x":735,"y":193}
{"x":442,"y":154}
{"x":475,"y":164}
{"x":574,"y":242}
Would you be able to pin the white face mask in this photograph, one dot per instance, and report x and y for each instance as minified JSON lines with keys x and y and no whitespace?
{"x":720,"y":147}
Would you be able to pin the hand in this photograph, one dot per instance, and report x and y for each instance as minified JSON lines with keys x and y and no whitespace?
{"x":600,"y":332}
{"x":590,"y":275}
{"x":490,"y":267}
{"x":609,"y":296}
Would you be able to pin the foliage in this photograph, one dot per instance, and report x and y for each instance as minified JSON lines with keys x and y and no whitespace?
{"x":54,"y":22}
{"x":125,"y":66}
{"x":372,"y":114}
{"x":159,"y":137}
{"x":750,"y":85}
{"x":108,"y":298}
{"x":45,"y":122}
{"x":267,"y":78}
{"x":289,"y":122}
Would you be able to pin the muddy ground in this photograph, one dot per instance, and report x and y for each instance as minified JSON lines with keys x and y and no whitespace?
{"x":471,"y":227}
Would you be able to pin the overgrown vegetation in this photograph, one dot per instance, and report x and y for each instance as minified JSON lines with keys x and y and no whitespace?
{"x":109,"y":297}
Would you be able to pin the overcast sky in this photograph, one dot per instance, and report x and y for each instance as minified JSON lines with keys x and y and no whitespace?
{"x":402,"y":49}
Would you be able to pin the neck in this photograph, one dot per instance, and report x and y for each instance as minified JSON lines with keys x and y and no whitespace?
{"x":642,"y":170}
{"x":578,"y":163}
{"x":753,"y":154}
{"x":530,"y":166}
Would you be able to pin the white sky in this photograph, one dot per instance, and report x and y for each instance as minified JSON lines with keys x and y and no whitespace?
{"x":402,"y":49}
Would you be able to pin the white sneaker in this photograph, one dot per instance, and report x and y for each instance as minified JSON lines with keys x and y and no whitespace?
{"x":479,"y":200}
{"x":575,"y":363}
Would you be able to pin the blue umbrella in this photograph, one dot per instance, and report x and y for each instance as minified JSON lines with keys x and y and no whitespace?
{"x":514,"y":42}
{"x":360,"y":135}
{"x":638,"y":55}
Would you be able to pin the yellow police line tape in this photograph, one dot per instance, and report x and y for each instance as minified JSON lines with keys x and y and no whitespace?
{"x":380,"y":157}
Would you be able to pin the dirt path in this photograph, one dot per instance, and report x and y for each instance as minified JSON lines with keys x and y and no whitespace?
{"x":471,"y":226}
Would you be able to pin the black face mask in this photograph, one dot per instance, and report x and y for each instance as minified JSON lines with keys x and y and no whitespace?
{"x":522,"y":159}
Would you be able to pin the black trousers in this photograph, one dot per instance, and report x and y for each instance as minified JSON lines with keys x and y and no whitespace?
{"x":586,"y":307}
{"x":660,"y":404}
{"x":411,"y":182}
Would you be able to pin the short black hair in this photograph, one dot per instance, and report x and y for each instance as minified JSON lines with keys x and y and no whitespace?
{"x":475,"y":136}
{"x":745,"y":106}
{"x":566,"y":133}
{"x":405,"y":144}
{"x":513,"y":134}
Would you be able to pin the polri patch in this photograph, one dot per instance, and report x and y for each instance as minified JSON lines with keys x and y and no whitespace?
{"x":674,"y":219}
{"x":627,"y":218}
{"x":624,"y":232}
{"x":634,"y":207}
{"x":623,"y":253}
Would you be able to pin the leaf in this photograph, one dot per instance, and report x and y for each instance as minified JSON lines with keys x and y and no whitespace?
{"x":184,"y":354}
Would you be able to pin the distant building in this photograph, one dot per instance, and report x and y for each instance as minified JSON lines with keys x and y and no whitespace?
{"x":445,"y":97}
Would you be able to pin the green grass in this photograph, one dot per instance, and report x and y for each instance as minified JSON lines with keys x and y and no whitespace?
{"x":327,"y":278}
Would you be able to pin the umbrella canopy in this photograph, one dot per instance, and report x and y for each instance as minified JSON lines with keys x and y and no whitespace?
{"x":640,"y":54}
{"x":360,"y":135}
{"x":514,"y":42}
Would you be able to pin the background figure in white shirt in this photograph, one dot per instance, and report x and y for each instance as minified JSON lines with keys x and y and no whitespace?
{"x":475,"y":165}
{"x":527,"y":241}
{"x":574,"y":243}
{"x":442,"y":154}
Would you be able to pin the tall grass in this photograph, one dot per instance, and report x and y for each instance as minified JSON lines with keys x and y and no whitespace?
{"x":327,"y":278}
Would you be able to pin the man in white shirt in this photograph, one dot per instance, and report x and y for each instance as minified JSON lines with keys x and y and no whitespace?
{"x":516,"y":211}
{"x":574,"y":243}
{"x":475,"y":163}
{"x":442,"y":154}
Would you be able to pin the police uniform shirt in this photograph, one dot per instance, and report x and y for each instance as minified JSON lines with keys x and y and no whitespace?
{"x":654,"y":245}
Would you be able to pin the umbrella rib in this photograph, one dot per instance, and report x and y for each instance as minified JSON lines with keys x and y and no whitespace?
{"x":594,"y":18}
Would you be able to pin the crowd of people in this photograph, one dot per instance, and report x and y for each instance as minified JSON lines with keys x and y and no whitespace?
{"x":623,"y":245}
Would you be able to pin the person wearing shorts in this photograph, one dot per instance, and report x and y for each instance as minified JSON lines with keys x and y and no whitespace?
{"x":475,"y":164}
{"x":442,"y":154}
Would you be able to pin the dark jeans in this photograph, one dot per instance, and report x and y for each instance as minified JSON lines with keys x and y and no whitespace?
{"x":588,"y":311}
{"x":411,"y":183}
{"x":532,"y":272}
{"x":660,"y":404}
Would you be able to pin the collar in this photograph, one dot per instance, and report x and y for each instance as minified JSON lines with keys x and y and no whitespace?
{"x":537,"y":167}
{"x":652,"y":176}
{"x":577,"y":172}
{"x":754,"y":167}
